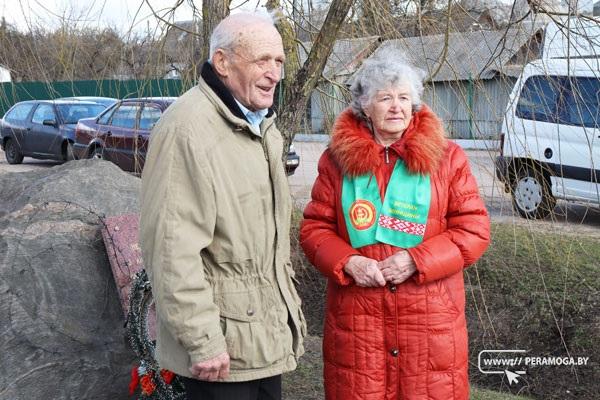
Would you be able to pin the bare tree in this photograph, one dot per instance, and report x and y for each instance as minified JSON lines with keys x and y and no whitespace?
{"x":62,"y":54}
{"x":299,"y":86}
{"x":289,"y":38}
{"x":213,"y":11}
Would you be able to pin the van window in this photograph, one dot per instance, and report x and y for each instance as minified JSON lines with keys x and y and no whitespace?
{"x":581,"y":105}
{"x":540,"y":98}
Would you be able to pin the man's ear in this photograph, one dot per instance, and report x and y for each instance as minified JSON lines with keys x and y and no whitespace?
{"x":220,"y":63}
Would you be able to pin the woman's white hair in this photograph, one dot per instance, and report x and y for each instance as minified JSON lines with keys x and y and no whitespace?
{"x":386,"y":68}
{"x":227,"y":33}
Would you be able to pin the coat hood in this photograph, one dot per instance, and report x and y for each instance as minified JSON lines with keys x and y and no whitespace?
{"x":422,"y":145}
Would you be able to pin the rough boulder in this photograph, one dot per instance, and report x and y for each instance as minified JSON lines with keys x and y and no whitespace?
{"x":61,"y":324}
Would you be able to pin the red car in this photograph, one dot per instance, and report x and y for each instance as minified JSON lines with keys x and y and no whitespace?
{"x":121,"y":133}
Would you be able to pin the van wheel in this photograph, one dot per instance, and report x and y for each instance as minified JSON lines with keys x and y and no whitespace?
{"x":532,"y":195}
{"x":12,"y":152}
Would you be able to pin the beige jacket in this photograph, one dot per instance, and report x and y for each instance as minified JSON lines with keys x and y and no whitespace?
{"x":214,"y":233}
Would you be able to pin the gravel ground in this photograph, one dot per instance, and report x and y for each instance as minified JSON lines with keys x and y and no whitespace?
{"x":28,"y":164}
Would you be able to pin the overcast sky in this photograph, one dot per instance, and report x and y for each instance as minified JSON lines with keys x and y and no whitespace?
{"x":121,"y":14}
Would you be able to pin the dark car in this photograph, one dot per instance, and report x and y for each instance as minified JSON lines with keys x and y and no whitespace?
{"x":43,"y":129}
{"x":121,"y":133}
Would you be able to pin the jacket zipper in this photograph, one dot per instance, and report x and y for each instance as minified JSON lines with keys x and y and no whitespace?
{"x":263,"y":143}
{"x":261,"y":139}
{"x":387,"y":155}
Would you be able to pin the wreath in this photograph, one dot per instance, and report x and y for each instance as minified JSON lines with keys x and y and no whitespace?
{"x":154,"y":383}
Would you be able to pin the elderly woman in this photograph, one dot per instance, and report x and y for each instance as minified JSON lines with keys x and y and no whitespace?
{"x":394,"y":219}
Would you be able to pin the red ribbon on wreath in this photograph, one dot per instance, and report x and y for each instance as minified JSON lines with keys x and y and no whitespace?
{"x":135,"y":380}
{"x":147,"y":384}
{"x":146,"y":381}
{"x":167,"y":376}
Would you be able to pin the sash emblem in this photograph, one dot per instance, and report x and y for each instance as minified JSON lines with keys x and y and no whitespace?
{"x":362,"y":214}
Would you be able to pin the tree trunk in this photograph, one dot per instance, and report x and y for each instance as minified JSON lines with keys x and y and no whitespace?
{"x":213,"y":12}
{"x":288,"y":36}
{"x":299,"y":87}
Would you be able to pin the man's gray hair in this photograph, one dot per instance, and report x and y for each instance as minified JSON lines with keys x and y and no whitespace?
{"x":386,"y":68}
{"x":226,"y":34}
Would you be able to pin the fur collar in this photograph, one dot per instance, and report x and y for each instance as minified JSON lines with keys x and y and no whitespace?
{"x":422,"y":145}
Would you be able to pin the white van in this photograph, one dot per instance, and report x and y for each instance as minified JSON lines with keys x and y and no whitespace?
{"x":551,"y":136}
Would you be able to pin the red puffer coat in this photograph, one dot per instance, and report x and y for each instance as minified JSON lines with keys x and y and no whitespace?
{"x":406,"y":341}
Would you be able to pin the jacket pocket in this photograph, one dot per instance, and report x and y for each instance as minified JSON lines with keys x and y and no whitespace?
{"x":440,"y":306}
{"x":254,"y":333}
{"x":247,"y":306}
{"x":446,"y":296}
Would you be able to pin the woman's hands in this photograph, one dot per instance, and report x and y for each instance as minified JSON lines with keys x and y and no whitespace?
{"x":398,"y":267}
{"x":367,"y":272}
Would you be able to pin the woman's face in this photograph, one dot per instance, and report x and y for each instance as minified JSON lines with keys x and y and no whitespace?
{"x":390,"y":111}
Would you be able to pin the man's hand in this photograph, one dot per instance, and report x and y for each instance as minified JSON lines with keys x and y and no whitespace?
{"x":398,"y":267}
{"x":364,"y":271}
{"x":212,"y":370}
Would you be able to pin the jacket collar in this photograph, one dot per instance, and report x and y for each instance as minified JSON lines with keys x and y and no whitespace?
{"x":212,"y":80}
{"x":421,"y":147}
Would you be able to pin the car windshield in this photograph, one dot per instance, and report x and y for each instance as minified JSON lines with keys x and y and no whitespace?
{"x":72,"y":113}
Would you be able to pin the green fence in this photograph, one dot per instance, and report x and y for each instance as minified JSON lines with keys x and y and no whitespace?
{"x":13,"y":92}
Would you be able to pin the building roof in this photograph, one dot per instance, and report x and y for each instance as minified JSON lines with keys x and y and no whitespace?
{"x":477,"y":55}
{"x":179,"y":38}
{"x":180,"y":30}
{"x":346,"y":55}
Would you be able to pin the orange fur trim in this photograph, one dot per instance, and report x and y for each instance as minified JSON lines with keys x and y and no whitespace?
{"x":422,"y":145}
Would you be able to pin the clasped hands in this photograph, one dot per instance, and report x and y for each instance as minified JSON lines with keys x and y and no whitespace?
{"x":367,"y":272}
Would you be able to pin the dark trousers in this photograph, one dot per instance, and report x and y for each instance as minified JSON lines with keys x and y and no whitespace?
{"x":260,"y":389}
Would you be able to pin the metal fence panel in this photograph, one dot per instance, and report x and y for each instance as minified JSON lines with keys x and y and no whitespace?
{"x":13,"y":92}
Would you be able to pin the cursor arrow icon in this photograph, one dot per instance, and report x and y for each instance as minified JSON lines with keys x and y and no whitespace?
{"x":512,"y":377}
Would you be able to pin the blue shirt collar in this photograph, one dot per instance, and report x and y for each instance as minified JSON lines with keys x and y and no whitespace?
{"x":254,"y":117}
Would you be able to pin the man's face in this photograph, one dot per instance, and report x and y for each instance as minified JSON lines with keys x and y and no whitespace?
{"x":254,"y":67}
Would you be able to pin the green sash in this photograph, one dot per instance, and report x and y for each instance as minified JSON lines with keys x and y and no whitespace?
{"x":399,"y":220}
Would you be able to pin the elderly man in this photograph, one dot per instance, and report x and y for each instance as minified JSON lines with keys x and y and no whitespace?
{"x":215,"y":224}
